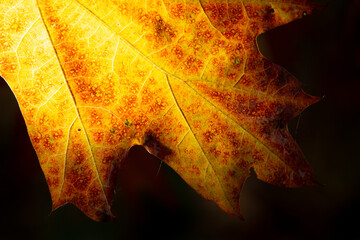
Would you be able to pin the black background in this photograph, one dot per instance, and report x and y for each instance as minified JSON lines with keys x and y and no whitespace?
{"x":323,"y":51}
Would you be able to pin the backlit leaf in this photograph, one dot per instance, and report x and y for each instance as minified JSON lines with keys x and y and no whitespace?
{"x":183,"y":78}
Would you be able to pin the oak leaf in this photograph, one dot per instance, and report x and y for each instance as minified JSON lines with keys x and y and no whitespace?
{"x":184,"y":78}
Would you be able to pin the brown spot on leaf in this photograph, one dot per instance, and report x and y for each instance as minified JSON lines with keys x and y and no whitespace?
{"x":157,"y":148}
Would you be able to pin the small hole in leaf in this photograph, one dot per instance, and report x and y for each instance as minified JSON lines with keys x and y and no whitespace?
{"x":304,"y":13}
{"x":271,"y":10}
{"x":79,"y":129}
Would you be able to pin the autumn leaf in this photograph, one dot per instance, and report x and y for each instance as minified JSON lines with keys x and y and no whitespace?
{"x":185,"y":79}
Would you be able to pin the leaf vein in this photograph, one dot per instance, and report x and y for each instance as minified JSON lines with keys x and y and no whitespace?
{"x":76,"y":108}
{"x":201,"y":148}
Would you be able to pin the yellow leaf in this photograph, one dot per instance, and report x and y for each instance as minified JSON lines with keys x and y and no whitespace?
{"x":183,"y":78}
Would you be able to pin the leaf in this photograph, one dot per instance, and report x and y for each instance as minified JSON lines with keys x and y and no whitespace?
{"x":184,"y":79}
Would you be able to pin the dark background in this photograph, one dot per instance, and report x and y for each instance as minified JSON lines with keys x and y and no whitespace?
{"x":323,"y":51}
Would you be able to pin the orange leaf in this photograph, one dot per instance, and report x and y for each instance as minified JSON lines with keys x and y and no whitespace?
{"x":185,"y":79}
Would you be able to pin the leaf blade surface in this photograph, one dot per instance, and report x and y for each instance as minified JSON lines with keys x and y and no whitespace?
{"x":183,"y":78}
